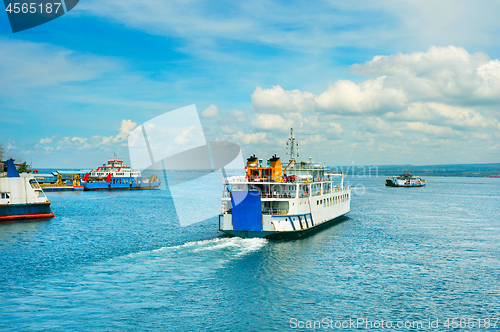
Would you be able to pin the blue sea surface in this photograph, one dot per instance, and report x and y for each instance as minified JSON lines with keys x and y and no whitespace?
{"x":119,"y":261}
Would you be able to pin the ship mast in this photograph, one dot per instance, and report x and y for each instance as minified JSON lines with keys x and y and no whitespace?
{"x":292,"y":143}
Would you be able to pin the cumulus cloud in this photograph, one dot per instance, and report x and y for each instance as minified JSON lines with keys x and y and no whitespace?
{"x":126,"y":128}
{"x":73,"y":142}
{"x":441,"y":74}
{"x":250,"y":138}
{"x":187,"y":136}
{"x":211,"y":111}
{"x":238,"y":115}
{"x":279,"y":100}
{"x":272,"y":122}
{"x":46,"y":140}
{"x":438,"y":131}
{"x":96,"y":141}
{"x":438,"y":113}
{"x":344,"y":97}
{"x":428,"y":89}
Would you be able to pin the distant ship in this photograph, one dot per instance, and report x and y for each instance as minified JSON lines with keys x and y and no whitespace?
{"x":276,"y":200}
{"x":21,"y":196}
{"x":495,"y":176}
{"x":116,"y":176}
{"x":405,"y":180}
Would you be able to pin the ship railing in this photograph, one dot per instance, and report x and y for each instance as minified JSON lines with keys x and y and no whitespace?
{"x":236,"y":178}
{"x":285,"y":195}
{"x":275,"y":212}
{"x":277,"y":195}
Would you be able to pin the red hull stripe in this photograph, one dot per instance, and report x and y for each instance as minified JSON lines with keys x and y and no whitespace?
{"x":27,"y":216}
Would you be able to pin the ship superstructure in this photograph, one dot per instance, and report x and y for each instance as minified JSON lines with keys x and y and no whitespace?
{"x":275,"y":200}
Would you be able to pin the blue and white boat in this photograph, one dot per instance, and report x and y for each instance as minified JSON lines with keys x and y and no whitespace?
{"x":116,"y":176}
{"x":21,"y":197}
{"x":275,"y":200}
{"x":404,"y":180}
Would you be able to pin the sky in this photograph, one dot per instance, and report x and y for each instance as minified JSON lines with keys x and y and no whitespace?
{"x":361,"y":82}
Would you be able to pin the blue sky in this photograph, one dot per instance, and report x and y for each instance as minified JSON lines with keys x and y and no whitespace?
{"x":386,"y":82}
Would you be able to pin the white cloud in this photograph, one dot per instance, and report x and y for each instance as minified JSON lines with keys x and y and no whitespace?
{"x":344,"y":97}
{"x":371,"y":95}
{"x":95,"y":141}
{"x":438,"y":113}
{"x":278,"y":100}
{"x":101,"y":141}
{"x":46,"y":140}
{"x":211,"y":111}
{"x":126,"y":128}
{"x":426,"y":128}
{"x":187,"y":136}
{"x":251,"y":138}
{"x":238,"y":115}
{"x":272,"y":122}
{"x":441,"y":74}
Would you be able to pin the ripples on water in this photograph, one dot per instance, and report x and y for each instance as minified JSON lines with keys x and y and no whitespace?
{"x":118,"y":261}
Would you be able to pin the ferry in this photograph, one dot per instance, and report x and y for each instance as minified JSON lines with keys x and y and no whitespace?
{"x":275,"y":200}
{"x":114,"y":175}
{"x":21,"y":197}
{"x":404,"y":180}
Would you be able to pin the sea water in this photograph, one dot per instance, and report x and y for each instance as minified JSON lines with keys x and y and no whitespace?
{"x":119,"y":261}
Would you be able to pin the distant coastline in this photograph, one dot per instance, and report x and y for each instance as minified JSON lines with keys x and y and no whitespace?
{"x":457,"y":170}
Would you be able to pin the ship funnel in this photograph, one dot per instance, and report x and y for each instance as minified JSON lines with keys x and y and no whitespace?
{"x":11,"y":169}
{"x":253,"y":161}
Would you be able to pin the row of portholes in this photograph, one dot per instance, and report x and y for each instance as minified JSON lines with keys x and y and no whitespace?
{"x":333,"y":200}
{"x":123,"y":181}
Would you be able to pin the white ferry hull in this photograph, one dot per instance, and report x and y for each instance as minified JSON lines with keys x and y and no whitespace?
{"x":309,"y":215}
{"x":278,"y":235}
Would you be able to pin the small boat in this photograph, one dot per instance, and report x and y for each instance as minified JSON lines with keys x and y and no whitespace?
{"x":404,"y":180}
{"x":116,"y":176}
{"x":21,"y":197}
{"x":275,"y":200}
